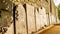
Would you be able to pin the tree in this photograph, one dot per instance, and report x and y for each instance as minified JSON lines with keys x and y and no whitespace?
{"x":58,"y":11}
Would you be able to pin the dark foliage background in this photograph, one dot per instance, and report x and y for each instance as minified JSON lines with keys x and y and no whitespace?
{"x":58,"y":11}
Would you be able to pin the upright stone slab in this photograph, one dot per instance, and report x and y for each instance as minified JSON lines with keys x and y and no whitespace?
{"x":48,"y":19}
{"x":52,"y":19}
{"x":21,"y":22}
{"x":30,"y":18}
{"x":38,"y":23}
{"x":43,"y":16}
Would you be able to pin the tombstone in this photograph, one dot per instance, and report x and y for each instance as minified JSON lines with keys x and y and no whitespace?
{"x":48,"y":19}
{"x":52,"y":19}
{"x":43,"y":17}
{"x":30,"y":18}
{"x":38,"y":23}
{"x":21,"y":22}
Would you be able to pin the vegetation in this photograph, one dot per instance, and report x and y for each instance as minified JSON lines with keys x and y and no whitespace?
{"x":58,"y":11}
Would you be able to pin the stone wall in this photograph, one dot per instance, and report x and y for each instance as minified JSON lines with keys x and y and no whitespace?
{"x":33,"y":15}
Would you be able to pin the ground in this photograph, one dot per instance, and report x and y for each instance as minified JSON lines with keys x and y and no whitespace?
{"x":54,"y":30}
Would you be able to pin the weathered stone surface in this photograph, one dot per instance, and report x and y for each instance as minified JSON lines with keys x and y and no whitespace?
{"x":10,"y":30}
{"x":52,"y":19}
{"x":21,"y":22}
{"x":43,"y":16}
{"x":30,"y":18}
{"x":5,"y":19}
{"x":38,"y":23}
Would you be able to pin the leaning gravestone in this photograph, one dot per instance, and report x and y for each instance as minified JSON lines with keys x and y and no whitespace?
{"x":21,"y":22}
